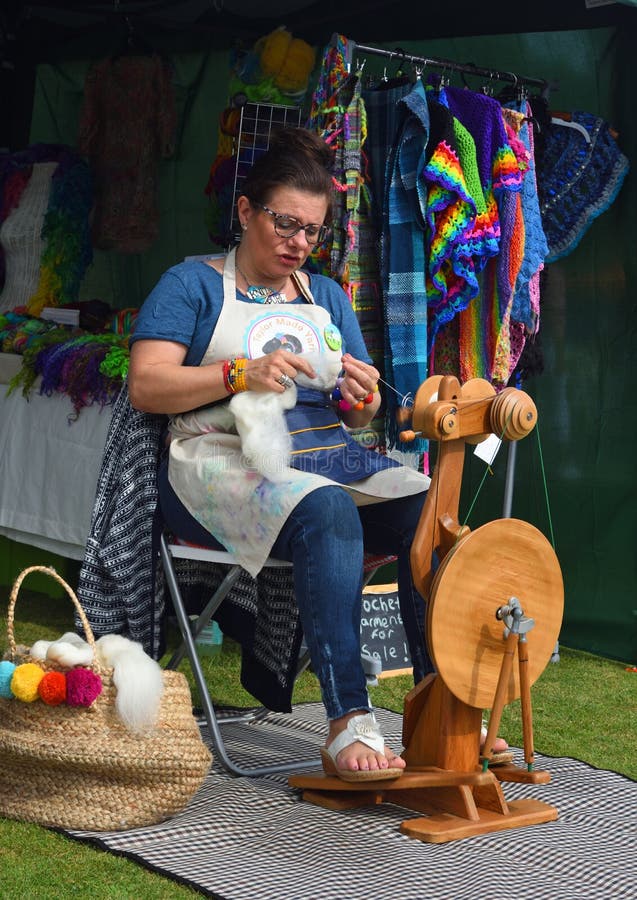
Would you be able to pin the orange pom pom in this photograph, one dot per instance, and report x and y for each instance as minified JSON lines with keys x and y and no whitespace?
{"x":25,"y":681}
{"x":52,"y":688}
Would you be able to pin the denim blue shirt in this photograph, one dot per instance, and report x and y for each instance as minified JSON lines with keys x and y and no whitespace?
{"x":185,"y":305}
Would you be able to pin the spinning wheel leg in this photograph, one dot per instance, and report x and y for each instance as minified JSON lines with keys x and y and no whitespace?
{"x":498,"y":702}
{"x":525,"y":701}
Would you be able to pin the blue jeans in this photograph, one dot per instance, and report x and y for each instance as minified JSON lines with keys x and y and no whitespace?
{"x":324,"y":537}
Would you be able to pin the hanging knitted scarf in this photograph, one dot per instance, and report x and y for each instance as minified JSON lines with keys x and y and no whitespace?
{"x":404,"y":291}
{"x":333,"y":103}
{"x":338,"y":114}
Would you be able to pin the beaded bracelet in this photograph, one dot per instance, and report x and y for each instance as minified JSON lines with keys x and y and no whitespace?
{"x":234,"y":375}
{"x":337,"y":398}
{"x":240,"y":383}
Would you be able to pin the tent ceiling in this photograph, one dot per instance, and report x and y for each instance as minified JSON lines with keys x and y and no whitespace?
{"x":47,"y":25}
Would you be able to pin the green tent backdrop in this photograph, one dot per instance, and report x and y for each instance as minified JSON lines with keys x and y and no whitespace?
{"x":585,"y":445}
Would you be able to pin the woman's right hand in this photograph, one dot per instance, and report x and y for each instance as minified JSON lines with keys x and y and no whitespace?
{"x":265,"y":372}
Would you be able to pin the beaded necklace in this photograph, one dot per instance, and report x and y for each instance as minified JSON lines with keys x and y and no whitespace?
{"x":260,"y":293}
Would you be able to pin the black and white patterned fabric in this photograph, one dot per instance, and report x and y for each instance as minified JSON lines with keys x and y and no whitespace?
{"x":254,"y":839}
{"x":115,"y":586}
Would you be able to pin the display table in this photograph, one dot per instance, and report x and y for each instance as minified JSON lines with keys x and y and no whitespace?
{"x":49,"y":466}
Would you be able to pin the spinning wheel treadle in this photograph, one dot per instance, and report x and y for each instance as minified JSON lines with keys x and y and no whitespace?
{"x":503,"y":559}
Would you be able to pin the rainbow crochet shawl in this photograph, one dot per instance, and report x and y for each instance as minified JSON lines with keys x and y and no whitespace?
{"x":485,"y":319}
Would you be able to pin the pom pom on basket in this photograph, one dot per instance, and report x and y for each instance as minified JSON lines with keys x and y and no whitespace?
{"x":52,"y":688}
{"x":92,"y":773}
{"x":25,"y":681}
{"x":7,"y":668}
{"x":82,"y":687}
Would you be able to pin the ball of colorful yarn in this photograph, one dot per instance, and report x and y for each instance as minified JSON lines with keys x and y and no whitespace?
{"x":7,"y":668}
{"x":25,"y":681}
{"x":82,"y":687}
{"x":52,"y":688}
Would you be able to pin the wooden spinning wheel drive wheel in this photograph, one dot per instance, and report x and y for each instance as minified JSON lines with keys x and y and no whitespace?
{"x":503,"y":559}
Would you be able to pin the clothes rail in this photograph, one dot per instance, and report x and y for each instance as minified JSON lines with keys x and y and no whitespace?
{"x":448,"y":65}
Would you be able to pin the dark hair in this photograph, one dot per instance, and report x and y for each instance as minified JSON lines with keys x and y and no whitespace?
{"x":296,"y":158}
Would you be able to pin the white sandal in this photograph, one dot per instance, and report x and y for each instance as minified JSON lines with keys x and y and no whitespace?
{"x":365,"y":730}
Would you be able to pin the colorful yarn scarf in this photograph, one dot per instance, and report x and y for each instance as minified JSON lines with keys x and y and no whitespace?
{"x":338,"y":114}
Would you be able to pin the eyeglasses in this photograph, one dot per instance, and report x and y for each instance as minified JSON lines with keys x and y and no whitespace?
{"x":288,"y":226}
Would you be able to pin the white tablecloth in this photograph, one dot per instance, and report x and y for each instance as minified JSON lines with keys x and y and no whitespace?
{"x":48,"y":467}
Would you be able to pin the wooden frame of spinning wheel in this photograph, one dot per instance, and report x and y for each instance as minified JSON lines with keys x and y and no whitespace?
{"x":445,"y":778}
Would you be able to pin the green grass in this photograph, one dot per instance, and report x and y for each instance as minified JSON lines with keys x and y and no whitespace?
{"x":583,"y":707}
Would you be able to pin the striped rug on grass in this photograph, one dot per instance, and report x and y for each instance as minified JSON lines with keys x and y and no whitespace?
{"x":254,"y":839}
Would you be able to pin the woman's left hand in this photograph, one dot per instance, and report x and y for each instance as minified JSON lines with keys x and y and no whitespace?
{"x":359,"y":381}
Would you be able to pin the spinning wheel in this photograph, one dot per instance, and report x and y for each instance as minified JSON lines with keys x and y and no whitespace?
{"x":497,"y":595}
{"x":502,"y":559}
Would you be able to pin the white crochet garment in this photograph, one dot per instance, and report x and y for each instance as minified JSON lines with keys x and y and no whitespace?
{"x":21,"y":241}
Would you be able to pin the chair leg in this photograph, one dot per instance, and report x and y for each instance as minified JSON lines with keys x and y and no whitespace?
{"x":207,"y":613}
{"x":190,"y":650}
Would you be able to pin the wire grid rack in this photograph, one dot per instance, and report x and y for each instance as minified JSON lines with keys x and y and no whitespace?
{"x":257,"y":122}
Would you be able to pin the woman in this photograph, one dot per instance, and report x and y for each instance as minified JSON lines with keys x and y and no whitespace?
{"x":248,"y":322}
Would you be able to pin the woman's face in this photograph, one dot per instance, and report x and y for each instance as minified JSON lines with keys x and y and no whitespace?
{"x":267,"y":253}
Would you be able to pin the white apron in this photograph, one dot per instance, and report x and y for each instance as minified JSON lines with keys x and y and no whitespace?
{"x":237,"y":505}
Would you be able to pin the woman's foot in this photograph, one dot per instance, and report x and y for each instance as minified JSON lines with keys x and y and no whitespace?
{"x":355,"y":750}
{"x":499,"y":746}
{"x":500,"y":752}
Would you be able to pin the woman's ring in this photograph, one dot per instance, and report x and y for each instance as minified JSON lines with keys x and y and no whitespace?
{"x":285,"y":381}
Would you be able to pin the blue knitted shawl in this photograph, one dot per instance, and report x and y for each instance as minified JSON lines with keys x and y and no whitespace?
{"x":404,"y":293}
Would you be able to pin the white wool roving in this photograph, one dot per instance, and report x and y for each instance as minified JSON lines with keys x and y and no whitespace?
{"x":137,"y":678}
{"x":260,"y":417}
{"x":68,"y":651}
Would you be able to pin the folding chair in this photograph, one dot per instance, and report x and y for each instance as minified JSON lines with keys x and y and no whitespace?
{"x":172,"y":549}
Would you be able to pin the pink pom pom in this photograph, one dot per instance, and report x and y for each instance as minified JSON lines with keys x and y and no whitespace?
{"x":82,"y":687}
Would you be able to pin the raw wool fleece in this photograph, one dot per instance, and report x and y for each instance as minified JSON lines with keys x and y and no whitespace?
{"x":260,"y":417}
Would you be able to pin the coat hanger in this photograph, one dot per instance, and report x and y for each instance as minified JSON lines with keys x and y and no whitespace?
{"x":557,"y":119}
{"x":134,"y":44}
{"x":399,"y":78}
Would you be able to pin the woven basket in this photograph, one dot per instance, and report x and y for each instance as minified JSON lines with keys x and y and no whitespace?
{"x":80,"y":768}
